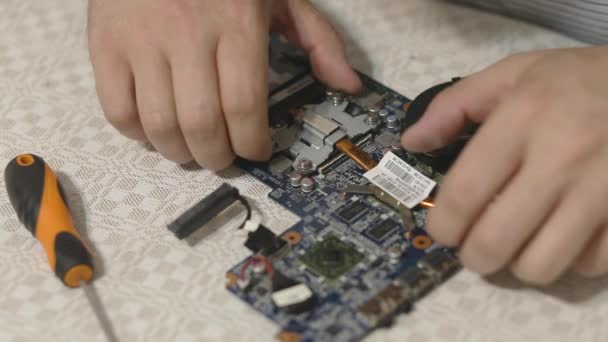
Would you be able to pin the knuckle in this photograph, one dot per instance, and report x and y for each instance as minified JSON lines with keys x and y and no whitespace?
{"x":536,"y":102}
{"x":239,"y":9}
{"x":205,"y":123}
{"x":159,"y":123}
{"x":242,"y":107}
{"x":579,"y":148}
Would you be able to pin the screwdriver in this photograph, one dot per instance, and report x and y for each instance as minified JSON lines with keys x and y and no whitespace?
{"x":39,"y":200}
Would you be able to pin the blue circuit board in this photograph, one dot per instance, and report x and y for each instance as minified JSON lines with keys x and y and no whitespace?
{"x":366,"y":283}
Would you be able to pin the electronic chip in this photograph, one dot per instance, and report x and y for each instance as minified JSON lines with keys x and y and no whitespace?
{"x":317,"y":225}
{"x":382,"y":230}
{"x":332,"y":257}
{"x":350,"y":211}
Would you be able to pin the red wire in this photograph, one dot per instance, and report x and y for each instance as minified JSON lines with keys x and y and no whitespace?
{"x":253,"y":259}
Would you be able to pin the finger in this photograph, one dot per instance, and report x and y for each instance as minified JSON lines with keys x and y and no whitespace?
{"x":156,"y":106}
{"x":483,"y":169}
{"x":116,"y":91}
{"x":315,"y":34}
{"x":554,"y":249}
{"x":198,"y":105}
{"x":593,"y":262}
{"x":242,"y":61}
{"x":471,"y":99}
{"x":513,"y":217}
{"x":574,"y":222}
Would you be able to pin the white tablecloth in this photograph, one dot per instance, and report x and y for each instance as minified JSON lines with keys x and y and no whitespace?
{"x":157,"y":288}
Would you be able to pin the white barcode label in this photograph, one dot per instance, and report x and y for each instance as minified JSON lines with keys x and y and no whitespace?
{"x":401,"y":180}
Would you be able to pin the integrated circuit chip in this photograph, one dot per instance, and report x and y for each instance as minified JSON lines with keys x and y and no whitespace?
{"x":332,"y":257}
{"x":352,"y":210}
{"x":382,"y":230}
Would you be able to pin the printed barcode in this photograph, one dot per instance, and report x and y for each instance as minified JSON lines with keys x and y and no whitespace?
{"x":387,"y":186}
{"x":399,"y":172}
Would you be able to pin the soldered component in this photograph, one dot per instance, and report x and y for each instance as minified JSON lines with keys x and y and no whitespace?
{"x":393,"y":300}
{"x":392,"y":122}
{"x":290,"y":295}
{"x":295,"y":178}
{"x":358,"y":189}
{"x":418,"y":281}
{"x":355,"y":153}
{"x":394,"y":254}
{"x":440,"y":263}
{"x":383,"y":229}
{"x":332,"y":257}
{"x":396,"y":148}
{"x":352,"y":210}
{"x":308,"y":184}
{"x":384,"y":113}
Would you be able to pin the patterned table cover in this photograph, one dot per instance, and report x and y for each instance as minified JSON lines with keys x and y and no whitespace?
{"x":157,"y":288}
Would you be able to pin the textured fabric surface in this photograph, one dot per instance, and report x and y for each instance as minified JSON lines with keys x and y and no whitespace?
{"x":156,"y":288}
{"x":583,"y":19}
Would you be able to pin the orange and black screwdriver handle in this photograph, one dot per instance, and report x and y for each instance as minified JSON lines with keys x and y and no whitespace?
{"x":39,"y":200}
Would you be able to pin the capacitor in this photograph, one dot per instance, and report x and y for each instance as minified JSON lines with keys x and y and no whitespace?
{"x":392,"y":122}
{"x":295,"y":178}
{"x":308,"y":184}
{"x":396,"y":147}
{"x":384,"y":113}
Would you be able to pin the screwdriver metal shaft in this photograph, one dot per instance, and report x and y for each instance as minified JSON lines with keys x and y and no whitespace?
{"x":99,"y":310}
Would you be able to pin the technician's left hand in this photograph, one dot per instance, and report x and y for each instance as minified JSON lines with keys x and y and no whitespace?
{"x":531,"y":189}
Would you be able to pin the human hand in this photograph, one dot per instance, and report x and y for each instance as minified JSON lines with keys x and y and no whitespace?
{"x":531,"y":188}
{"x":190,"y":77}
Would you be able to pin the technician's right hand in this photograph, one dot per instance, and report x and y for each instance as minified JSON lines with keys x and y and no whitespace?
{"x":190,"y":76}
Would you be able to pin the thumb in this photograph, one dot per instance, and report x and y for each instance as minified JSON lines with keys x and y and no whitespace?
{"x":471,"y":99}
{"x":311,"y":30}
